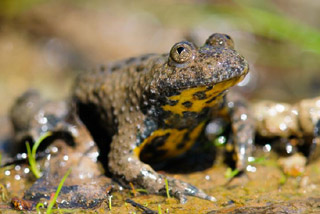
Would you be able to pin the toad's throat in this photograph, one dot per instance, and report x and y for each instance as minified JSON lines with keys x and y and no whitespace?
{"x":172,"y":141}
{"x":198,"y":98}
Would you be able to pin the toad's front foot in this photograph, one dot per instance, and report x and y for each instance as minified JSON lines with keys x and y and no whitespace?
{"x":131,"y":169}
{"x":180,"y":190}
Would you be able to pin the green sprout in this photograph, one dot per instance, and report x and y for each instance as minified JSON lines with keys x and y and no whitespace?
{"x":32,"y":162}
{"x":4,"y":193}
{"x":258,"y":160}
{"x":142,"y":190}
{"x":38,"y":207}
{"x":231,"y":173}
{"x":110,"y":202}
{"x":283,"y":179}
{"x":53,"y":200}
{"x":32,"y":154}
{"x":167,"y":187}
{"x":159,"y":209}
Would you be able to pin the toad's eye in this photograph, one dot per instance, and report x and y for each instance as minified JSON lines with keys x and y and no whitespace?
{"x":222,"y":40}
{"x":182,"y":52}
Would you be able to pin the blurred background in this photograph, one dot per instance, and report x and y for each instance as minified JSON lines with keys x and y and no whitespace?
{"x":45,"y":43}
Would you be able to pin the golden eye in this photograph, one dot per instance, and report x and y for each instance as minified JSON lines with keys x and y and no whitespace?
{"x":222,"y":40}
{"x":182,"y":52}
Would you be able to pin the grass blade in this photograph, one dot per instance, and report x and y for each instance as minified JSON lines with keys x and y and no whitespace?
{"x":32,"y":154}
{"x":32,"y":162}
{"x":167,"y":187}
{"x":53,"y":200}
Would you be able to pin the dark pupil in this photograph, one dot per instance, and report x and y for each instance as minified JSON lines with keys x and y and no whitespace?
{"x":180,"y":49}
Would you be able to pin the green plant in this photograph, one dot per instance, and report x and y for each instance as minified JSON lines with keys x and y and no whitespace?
{"x":231,"y":173}
{"x":110,"y":202}
{"x":32,"y":154}
{"x":167,"y":187}
{"x":4,"y":193}
{"x":38,"y":207}
{"x":281,"y":27}
{"x":283,"y":179}
{"x":53,"y":200}
{"x":258,"y":160}
{"x":159,"y":209}
{"x":142,"y":190}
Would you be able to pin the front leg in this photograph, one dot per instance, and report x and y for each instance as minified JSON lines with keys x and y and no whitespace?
{"x":242,"y":127}
{"x":126,"y":165}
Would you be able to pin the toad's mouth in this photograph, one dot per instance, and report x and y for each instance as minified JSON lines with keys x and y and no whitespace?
{"x":234,"y":76}
{"x":198,"y":98}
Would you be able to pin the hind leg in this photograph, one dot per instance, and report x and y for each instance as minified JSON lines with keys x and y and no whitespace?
{"x":69,"y":146}
{"x":32,"y":116}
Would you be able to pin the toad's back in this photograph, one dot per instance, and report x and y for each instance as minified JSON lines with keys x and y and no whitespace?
{"x":115,"y":90}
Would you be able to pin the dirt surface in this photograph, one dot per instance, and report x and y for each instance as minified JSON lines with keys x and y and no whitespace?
{"x":267,"y":190}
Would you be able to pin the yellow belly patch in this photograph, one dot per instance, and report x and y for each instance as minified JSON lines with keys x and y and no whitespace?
{"x":198,"y":105}
{"x":175,"y":137}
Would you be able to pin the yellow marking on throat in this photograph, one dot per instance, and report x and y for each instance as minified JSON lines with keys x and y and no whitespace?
{"x":187,"y":95}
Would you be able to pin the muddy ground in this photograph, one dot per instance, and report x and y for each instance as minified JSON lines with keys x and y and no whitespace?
{"x":44,"y":45}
